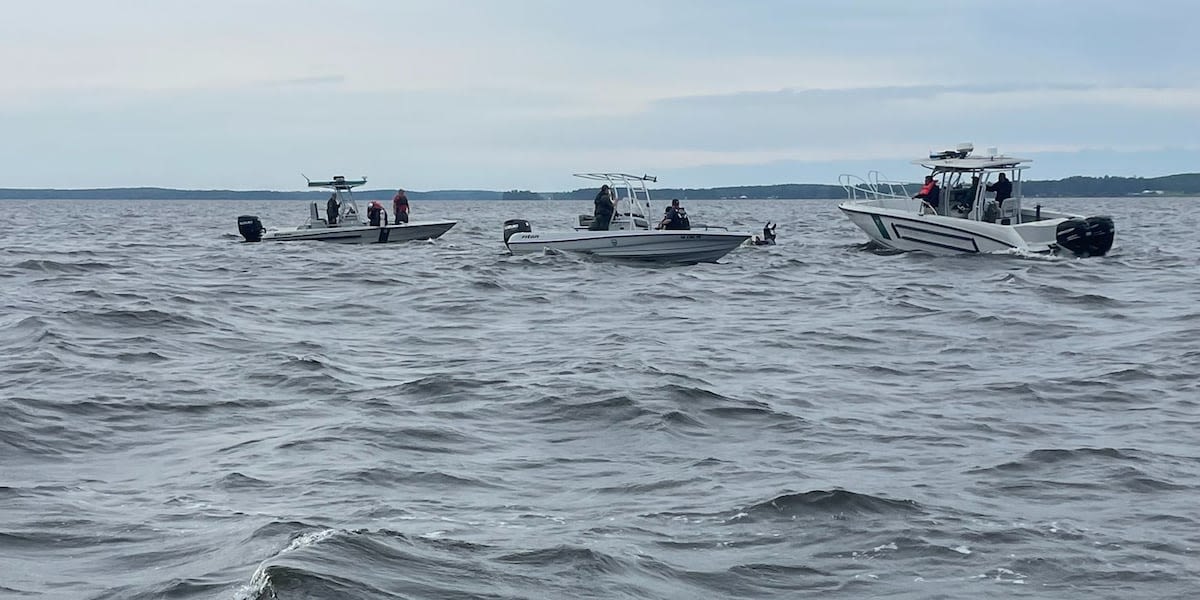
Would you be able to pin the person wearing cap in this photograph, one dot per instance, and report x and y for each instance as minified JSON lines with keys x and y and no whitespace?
{"x":400,"y":207}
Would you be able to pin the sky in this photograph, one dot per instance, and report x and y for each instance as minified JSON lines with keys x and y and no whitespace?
{"x":520,"y":94}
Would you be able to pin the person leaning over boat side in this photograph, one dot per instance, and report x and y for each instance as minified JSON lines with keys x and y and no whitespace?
{"x":930,"y":192}
{"x":331,"y":209}
{"x":1003,"y":189}
{"x":400,"y":207}
{"x":603,"y":209}
{"x":375,"y":213}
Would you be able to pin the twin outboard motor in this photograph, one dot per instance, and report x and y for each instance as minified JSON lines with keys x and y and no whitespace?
{"x":512,"y":226}
{"x":1092,"y":236}
{"x":251,"y":228}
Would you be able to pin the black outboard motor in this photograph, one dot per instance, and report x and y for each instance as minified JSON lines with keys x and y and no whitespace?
{"x":768,"y":236}
{"x":512,"y":226}
{"x":251,"y":228}
{"x":1092,"y":236}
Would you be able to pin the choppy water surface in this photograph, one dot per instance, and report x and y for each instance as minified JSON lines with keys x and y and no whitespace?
{"x":187,"y":416}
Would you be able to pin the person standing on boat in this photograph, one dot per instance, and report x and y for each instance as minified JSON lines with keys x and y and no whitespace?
{"x":331,"y":209}
{"x":400,"y":207}
{"x":1003,"y":189}
{"x":930,"y":192}
{"x":604,"y":209}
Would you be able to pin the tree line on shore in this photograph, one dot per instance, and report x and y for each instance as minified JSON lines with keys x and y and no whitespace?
{"x":1185,"y":184}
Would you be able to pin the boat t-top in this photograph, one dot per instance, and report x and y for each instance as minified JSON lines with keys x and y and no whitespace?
{"x":622,"y":228}
{"x":970,"y":204}
{"x":343,"y":222}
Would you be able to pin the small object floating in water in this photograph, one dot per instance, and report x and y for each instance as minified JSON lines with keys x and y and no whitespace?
{"x":768,"y":235}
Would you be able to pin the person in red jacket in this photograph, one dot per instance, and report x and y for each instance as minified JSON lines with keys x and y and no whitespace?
{"x":400,"y":207}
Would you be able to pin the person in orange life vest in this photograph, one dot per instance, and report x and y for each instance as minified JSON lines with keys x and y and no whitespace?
{"x":375,"y":214}
{"x":400,"y":207}
{"x":930,"y":192}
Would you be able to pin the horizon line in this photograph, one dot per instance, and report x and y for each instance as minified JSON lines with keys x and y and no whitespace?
{"x":310,"y":190}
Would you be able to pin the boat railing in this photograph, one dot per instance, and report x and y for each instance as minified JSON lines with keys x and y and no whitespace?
{"x":895,"y":189}
{"x":872,"y":188}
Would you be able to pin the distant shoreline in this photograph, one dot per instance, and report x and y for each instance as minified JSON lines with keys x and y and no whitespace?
{"x":1184,"y":184}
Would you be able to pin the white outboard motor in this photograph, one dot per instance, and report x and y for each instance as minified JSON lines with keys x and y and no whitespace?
{"x":512,"y":226}
{"x":251,"y":228}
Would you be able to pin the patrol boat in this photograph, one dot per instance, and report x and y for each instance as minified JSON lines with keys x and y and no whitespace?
{"x":350,"y":226}
{"x":631,"y":234}
{"x":967,"y":218}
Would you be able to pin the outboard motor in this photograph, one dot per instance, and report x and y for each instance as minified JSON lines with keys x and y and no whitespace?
{"x":251,"y":228}
{"x":768,"y":236}
{"x":512,"y":226}
{"x":1092,"y":236}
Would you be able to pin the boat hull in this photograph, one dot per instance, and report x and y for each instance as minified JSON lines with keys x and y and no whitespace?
{"x":652,"y":246}
{"x":937,"y":234}
{"x":363,"y":234}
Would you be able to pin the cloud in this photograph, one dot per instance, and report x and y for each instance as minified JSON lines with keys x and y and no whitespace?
{"x":519,"y":93}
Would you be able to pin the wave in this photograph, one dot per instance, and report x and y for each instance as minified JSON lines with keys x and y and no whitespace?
{"x":120,"y":319}
{"x":59,"y":267}
{"x":824,"y":503}
{"x":577,"y":558}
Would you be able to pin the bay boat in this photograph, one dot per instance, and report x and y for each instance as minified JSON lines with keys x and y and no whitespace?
{"x":631,"y":233}
{"x":967,"y":218}
{"x":350,"y":226}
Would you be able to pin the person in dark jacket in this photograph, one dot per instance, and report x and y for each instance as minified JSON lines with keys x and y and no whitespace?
{"x":331,"y":209}
{"x":674,"y":217}
{"x":603,"y":212}
{"x":1003,"y":189}
{"x":375,"y":214}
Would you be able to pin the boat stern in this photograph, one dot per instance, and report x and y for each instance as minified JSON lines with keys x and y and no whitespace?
{"x":515,"y":226}
{"x":251,"y":228}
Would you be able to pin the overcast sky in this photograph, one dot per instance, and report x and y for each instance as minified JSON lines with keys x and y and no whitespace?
{"x":502,"y":94}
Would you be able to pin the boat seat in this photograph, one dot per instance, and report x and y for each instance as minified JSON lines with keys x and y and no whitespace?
{"x":314,"y":214}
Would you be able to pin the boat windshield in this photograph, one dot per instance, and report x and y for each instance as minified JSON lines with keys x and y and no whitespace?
{"x":972,"y":193}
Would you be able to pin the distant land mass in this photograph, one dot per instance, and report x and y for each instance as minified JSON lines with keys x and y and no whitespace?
{"x":1184,"y":184}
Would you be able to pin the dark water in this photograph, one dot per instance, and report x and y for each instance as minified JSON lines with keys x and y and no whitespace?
{"x":186,"y":416}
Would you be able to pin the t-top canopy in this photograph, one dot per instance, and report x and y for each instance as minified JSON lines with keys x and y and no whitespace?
{"x":338,"y":182}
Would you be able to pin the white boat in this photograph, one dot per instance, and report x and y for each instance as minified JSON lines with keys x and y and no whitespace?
{"x":967,"y":219}
{"x":349,"y":226}
{"x":631,"y":233}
